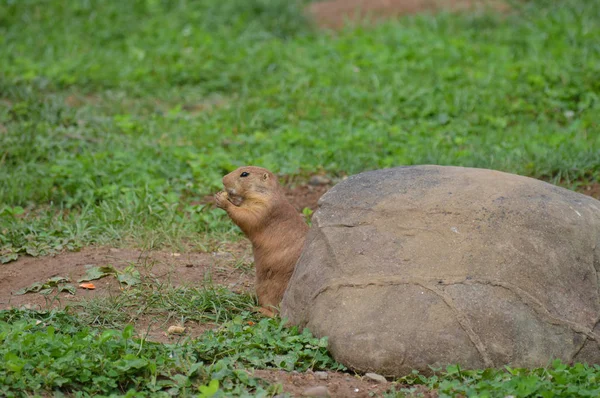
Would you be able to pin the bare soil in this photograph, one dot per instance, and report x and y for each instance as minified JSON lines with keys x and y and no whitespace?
{"x":334,"y":13}
{"x":338,"y":384}
{"x":300,"y":195}
{"x":307,"y":195}
{"x":173,"y":269}
{"x":592,"y":190}
{"x":180,"y":269}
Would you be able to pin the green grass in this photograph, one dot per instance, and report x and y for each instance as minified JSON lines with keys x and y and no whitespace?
{"x":556,"y":380}
{"x":118,"y":117}
{"x":53,"y":351}
{"x":164,"y":303}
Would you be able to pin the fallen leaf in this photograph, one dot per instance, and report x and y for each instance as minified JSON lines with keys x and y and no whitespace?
{"x":46,"y":287}
{"x":94,"y":273}
{"x":56,"y":280}
{"x":67,"y":288}
{"x":89,"y":286}
{"x":7,"y":258}
{"x":33,"y":288}
{"x":129,"y":278}
{"x":32,"y":251}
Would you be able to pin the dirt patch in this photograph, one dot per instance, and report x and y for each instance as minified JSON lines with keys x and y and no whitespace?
{"x":592,"y":190}
{"x":306,"y":195}
{"x":179,"y":269}
{"x":230,"y":266}
{"x":335,"y":13}
{"x":156,"y":330}
{"x":338,"y":384}
{"x":76,"y":100}
{"x":301,"y":195}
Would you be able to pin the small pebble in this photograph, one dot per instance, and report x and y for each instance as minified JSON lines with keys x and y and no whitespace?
{"x":318,"y":391}
{"x":176,"y":330}
{"x":322,"y":375}
{"x":222,"y":255}
{"x":319,"y":180}
{"x":376,"y":377}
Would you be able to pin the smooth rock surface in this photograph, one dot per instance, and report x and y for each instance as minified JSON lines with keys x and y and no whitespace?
{"x":318,"y":391}
{"x":412,"y":267}
{"x":376,"y":377}
{"x":321,"y":375}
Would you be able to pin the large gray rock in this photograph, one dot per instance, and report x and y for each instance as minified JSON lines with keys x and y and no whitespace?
{"x":413,"y":267}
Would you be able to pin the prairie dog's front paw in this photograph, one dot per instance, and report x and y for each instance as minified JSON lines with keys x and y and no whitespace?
{"x":265,"y":311}
{"x":222,"y":200}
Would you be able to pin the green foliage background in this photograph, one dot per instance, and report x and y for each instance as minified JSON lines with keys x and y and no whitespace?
{"x":125,"y":113}
{"x":517,"y":93}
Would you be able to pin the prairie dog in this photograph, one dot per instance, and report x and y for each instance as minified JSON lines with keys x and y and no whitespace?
{"x":255,"y":201}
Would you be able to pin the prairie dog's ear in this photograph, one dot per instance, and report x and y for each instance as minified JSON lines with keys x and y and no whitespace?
{"x":265,"y":176}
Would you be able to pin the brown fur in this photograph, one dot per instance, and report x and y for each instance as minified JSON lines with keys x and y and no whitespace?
{"x":257,"y":204}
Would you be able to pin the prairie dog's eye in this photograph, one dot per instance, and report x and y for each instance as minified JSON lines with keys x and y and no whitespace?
{"x":244,"y":174}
